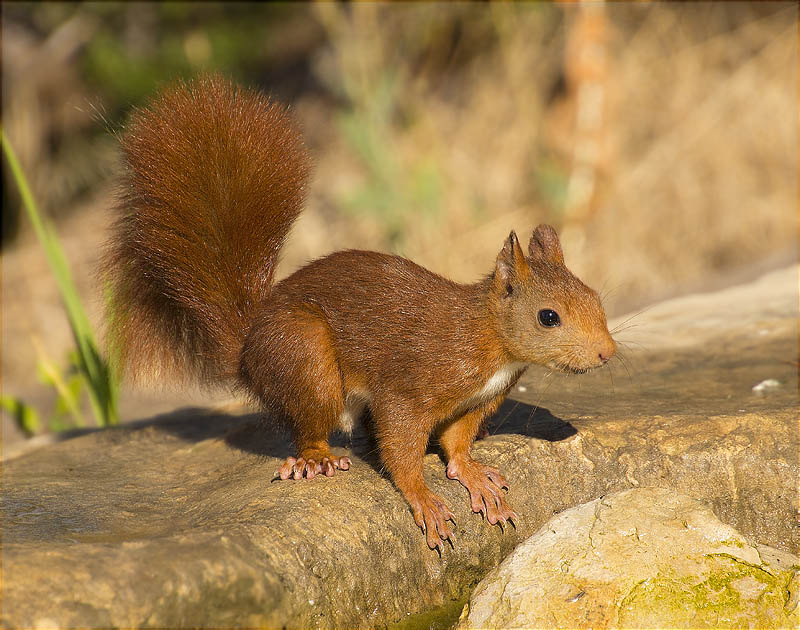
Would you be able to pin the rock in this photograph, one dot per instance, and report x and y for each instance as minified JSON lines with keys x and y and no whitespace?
{"x":174,"y":521}
{"x":678,"y":410}
{"x":642,"y":558}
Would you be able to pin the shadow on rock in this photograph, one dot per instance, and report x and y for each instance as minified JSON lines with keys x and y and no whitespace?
{"x":536,"y":422}
{"x":261,"y":436}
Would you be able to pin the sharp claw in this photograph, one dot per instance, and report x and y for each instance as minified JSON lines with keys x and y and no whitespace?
{"x":300,"y":468}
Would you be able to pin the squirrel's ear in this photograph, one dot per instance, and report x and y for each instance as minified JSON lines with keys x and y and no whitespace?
{"x":511,"y":263}
{"x":545,"y":245}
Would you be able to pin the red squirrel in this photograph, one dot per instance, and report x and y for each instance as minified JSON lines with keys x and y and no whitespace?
{"x":216,"y":175}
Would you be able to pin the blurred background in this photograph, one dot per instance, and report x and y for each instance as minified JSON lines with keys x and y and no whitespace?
{"x":660,"y":139}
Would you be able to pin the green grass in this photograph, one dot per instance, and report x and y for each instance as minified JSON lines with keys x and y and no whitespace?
{"x":88,"y":361}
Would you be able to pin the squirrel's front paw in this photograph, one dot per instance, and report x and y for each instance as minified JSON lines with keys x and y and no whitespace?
{"x":431,"y":514}
{"x":485,"y":485}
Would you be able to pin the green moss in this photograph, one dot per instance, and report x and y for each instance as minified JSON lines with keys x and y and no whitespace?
{"x":439,"y":618}
{"x":735,"y":543}
{"x":711,"y":599}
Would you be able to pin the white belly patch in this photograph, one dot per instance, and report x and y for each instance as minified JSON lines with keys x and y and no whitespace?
{"x":354,"y":404}
{"x":496,"y":385}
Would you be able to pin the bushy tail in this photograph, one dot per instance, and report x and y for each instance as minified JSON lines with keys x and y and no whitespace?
{"x":215,"y":177}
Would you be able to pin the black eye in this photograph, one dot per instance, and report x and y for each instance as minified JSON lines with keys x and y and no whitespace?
{"x":549,"y":318}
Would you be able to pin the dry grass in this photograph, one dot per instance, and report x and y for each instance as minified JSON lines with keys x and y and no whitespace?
{"x":696,"y":172}
{"x":446,"y":125}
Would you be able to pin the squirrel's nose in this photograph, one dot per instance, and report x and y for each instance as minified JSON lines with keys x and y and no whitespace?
{"x":607,"y":350}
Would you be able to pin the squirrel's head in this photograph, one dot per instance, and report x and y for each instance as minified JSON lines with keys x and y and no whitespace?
{"x":547,"y":316}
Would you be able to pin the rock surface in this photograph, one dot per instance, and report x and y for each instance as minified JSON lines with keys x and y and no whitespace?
{"x":175,"y":521}
{"x":641,"y":558}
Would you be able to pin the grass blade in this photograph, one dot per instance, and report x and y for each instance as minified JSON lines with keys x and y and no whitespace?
{"x":102,"y":387}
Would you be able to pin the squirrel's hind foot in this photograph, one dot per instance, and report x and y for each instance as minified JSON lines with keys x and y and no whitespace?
{"x":310,"y":466}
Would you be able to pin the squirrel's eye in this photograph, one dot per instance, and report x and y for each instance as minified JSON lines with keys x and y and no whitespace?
{"x":549,"y":318}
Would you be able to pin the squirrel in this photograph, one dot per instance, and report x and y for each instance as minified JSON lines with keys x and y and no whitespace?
{"x":215,"y":176}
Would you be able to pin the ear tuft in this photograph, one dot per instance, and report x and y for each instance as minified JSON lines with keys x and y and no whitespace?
{"x":511,"y":260}
{"x":544,"y":245}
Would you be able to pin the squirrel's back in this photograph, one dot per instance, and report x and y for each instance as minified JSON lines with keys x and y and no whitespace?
{"x":215,"y":177}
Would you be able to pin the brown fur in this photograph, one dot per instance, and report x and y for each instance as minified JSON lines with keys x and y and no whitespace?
{"x":216,"y":176}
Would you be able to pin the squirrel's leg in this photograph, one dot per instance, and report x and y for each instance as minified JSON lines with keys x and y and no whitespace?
{"x":402,"y":440}
{"x":315,"y":414}
{"x":314,"y":456}
{"x":484,"y":483}
{"x":291,"y":352}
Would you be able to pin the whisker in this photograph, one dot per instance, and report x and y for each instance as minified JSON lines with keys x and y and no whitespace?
{"x":620,"y":328}
{"x":628,"y":343}
{"x":502,"y":422}
{"x":625,"y":365}
{"x":604,"y":294}
{"x":644,"y":310}
{"x":549,"y":380}
{"x":611,"y":374}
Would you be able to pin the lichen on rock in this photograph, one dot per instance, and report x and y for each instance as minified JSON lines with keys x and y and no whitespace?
{"x":641,"y":558}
